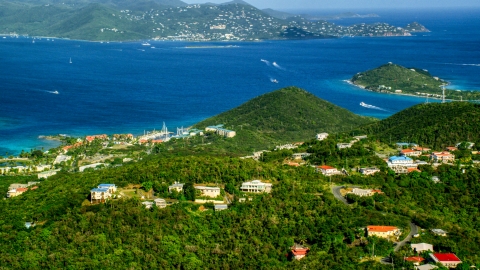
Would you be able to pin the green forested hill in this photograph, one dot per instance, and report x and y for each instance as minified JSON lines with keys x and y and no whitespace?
{"x":391,"y":77}
{"x":434,"y":124}
{"x":286,"y":115}
{"x":398,"y":78}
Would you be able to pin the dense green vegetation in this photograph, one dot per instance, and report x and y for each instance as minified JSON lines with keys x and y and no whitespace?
{"x":391,"y":77}
{"x":286,"y":115}
{"x":433,"y":125}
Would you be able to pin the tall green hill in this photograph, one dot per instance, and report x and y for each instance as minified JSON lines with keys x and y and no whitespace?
{"x":286,"y":115}
{"x":435,"y":125}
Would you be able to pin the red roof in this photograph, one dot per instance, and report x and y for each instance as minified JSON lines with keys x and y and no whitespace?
{"x":299,"y":250}
{"x":413,"y":170}
{"x":21,"y":189}
{"x":381,"y":228}
{"x":414,"y":259}
{"x":326,"y":167}
{"x":408,"y":151}
{"x":446,"y":257}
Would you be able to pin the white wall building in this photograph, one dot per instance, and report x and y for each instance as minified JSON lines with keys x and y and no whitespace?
{"x":256,"y":186}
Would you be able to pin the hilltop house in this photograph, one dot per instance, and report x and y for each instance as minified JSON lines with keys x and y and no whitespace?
{"x":18,"y":189}
{"x":321,"y":136}
{"x":299,"y":251}
{"x":447,"y":259}
{"x":382,"y":231}
{"x":176,"y":186}
{"x":443,"y":157}
{"x":400,"y":161}
{"x":421,"y":247}
{"x":256,"y":186}
{"x":327,"y":170}
{"x":102,"y":193}
{"x":211,"y":192}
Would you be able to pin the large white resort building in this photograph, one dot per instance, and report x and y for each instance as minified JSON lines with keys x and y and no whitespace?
{"x":256,"y":186}
{"x":221,"y":131}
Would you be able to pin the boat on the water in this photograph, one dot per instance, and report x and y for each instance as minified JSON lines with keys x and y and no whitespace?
{"x":55,"y":92}
{"x":363,"y":104}
{"x":70,"y":60}
{"x":146,"y":44}
{"x":274,"y":81}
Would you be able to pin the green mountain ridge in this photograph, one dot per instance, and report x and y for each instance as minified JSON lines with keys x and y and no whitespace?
{"x":434,"y":125}
{"x":287,"y":115}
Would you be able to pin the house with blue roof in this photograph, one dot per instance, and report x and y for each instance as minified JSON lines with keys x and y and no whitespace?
{"x":102,"y":193}
{"x":400,"y":160}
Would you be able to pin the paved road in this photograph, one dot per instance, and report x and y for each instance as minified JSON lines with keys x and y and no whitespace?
{"x":413,"y":231}
{"x":338,"y":195}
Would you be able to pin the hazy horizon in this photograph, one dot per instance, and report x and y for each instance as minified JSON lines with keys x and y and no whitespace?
{"x":350,"y":4}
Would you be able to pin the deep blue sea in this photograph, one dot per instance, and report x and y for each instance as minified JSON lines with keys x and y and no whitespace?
{"x":126,"y":87}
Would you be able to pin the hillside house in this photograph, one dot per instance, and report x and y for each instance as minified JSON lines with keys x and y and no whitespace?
{"x":344,"y":145}
{"x":442,"y":157}
{"x":298,"y":156}
{"x":400,"y":161}
{"x":421,"y":247}
{"x":178,"y":187}
{"x":299,"y":251}
{"x":220,"y":207}
{"x":416,"y":260}
{"x":102,"y":193}
{"x":148,"y":205}
{"x":447,"y":259}
{"x":364,"y":192}
{"x":211,"y":192}
{"x":160,"y":203}
{"x":369,"y":171}
{"x":422,"y":149}
{"x":321,"y":136}
{"x":382,"y":231}
{"x":451,"y":148}
{"x":256,"y":186}
{"x":439,"y":232}
{"x":410,"y":153}
{"x":327,"y":170}
{"x":46,"y":174}
{"x":91,"y":166}
{"x":218,"y":129}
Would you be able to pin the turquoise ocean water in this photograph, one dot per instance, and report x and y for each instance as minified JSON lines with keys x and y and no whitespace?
{"x":126,"y":87}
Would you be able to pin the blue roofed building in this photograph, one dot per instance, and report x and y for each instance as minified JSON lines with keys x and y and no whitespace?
{"x":221,"y":131}
{"x":102,"y":193}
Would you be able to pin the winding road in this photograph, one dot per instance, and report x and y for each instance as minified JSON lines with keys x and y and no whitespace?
{"x":413,"y":228}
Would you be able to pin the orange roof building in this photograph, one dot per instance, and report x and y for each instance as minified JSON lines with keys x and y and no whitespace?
{"x":299,"y":251}
{"x":415,"y":260}
{"x":382,"y":231}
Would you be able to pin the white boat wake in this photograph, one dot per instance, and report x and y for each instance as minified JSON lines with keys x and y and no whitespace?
{"x":474,"y":65}
{"x":265,"y":61}
{"x":368,"y":106}
{"x":277,"y":66}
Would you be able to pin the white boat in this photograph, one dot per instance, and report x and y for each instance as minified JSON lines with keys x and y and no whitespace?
{"x":70,"y":60}
{"x":274,"y":81}
{"x":146,"y":44}
{"x":55,"y":92}
{"x":363,"y":104}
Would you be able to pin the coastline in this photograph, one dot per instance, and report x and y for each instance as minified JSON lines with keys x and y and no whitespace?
{"x":399,"y":94}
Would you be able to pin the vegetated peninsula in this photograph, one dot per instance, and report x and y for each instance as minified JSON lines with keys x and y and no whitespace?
{"x":97,"y":20}
{"x":287,"y":115}
{"x":395,"y":79}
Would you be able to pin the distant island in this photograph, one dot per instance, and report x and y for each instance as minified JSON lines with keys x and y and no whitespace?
{"x":237,"y":20}
{"x":395,"y":79}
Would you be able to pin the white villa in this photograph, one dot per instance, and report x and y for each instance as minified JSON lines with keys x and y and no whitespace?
{"x":327,"y":170}
{"x":211,"y":192}
{"x":176,"y":186}
{"x":322,"y":136}
{"x":160,"y":203}
{"x":102,"y":193}
{"x":443,"y":157}
{"x":400,"y":161}
{"x":221,"y":131}
{"x":421,"y":247}
{"x":256,"y":186}
{"x":369,"y":171}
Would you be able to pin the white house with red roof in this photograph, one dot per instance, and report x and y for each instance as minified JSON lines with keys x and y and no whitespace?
{"x":382,"y":231}
{"x":447,"y":259}
{"x":327,"y":170}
